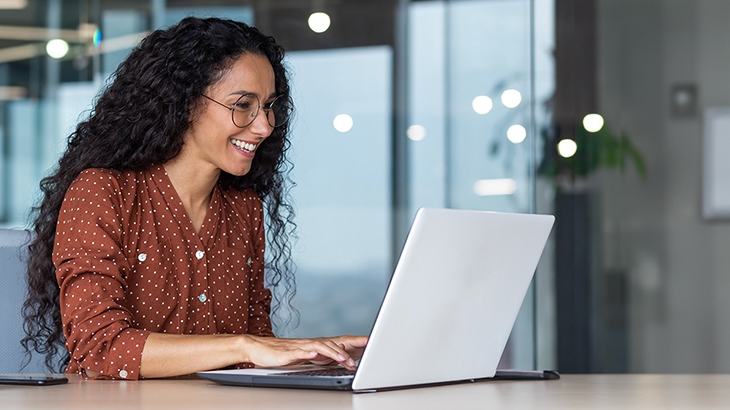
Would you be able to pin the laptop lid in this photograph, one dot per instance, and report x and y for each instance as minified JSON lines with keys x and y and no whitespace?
{"x":454,"y":297}
{"x":450,"y":307}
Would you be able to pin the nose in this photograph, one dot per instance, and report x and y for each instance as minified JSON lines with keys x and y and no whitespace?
{"x":260,"y":125}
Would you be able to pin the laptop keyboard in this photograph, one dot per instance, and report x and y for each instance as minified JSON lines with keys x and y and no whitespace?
{"x":334,"y":372}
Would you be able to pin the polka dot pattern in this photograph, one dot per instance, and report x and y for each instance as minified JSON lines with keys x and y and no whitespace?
{"x":129,"y":262}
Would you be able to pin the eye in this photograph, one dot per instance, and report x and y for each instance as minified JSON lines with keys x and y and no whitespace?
{"x":243,"y":105}
{"x":246,"y":103}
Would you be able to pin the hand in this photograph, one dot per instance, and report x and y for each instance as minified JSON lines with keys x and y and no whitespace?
{"x":270,"y":351}
{"x":353,"y":345}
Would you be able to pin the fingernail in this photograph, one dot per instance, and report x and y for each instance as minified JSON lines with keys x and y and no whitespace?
{"x":351,"y":362}
{"x":341,"y":357}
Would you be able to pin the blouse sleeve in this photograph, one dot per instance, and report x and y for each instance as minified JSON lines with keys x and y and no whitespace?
{"x":260,"y":296}
{"x":91,"y":272}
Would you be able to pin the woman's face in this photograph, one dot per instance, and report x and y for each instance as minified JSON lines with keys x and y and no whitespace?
{"x":213,"y":140}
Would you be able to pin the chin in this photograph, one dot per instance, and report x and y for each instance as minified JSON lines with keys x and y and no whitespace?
{"x":235,"y":168}
{"x":238,"y":172}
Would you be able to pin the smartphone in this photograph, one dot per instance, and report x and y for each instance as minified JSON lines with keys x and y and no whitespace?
{"x":33,"y":379}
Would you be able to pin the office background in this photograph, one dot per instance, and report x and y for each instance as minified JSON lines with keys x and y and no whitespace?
{"x":466,"y":104}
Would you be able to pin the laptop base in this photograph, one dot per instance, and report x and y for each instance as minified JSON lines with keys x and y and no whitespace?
{"x":345,"y":383}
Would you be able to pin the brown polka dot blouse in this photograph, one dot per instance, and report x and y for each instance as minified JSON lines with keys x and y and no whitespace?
{"x":129,"y":262}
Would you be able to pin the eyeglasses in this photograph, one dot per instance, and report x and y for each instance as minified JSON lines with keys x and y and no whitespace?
{"x":245,"y":110}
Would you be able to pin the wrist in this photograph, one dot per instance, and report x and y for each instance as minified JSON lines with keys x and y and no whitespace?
{"x":243,"y":348}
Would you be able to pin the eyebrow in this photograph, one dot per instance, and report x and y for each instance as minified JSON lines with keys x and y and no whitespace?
{"x":244,"y":92}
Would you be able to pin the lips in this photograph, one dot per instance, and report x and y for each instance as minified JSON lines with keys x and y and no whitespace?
{"x":245,"y":146}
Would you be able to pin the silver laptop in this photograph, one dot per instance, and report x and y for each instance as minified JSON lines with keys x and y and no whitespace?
{"x":448,"y":311}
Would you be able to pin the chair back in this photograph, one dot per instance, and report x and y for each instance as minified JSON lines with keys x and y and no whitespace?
{"x":13,"y":291}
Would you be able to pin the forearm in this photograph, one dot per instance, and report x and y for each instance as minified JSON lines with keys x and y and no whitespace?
{"x":167,"y":355}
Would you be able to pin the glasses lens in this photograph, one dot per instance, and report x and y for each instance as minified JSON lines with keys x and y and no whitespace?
{"x":245,"y":109}
{"x":279,"y":112}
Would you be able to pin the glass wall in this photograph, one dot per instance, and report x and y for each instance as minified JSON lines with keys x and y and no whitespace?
{"x":480,"y":74}
{"x":341,"y":149}
{"x":400,"y":105}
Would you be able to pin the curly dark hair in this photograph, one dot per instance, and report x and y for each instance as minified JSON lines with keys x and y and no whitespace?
{"x":138,"y":121}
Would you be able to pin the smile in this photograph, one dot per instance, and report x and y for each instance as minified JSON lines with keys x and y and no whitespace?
{"x":245,"y":146}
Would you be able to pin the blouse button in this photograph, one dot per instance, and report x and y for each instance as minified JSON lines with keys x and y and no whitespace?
{"x":202,"y":297}
{"x":123,"y":373}
{"x":142,"y":257}
{"x":199,"y":255}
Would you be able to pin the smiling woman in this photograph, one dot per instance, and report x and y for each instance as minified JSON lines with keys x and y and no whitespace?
{"x":148,"y":259}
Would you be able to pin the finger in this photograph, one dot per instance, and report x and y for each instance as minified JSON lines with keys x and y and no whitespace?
{"x":321,"y":362}
{"x":333,"y":351}
{"x":352,"y":341}
{"x":349,"y":353}
{"x":355,"y":345}
{"x":341,"y":355}
{"x":294,"y":351}
{"x":299,"y":356}
{"x":357,"y":341}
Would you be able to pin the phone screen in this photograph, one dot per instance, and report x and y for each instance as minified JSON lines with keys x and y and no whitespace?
{"x":33,"y":379}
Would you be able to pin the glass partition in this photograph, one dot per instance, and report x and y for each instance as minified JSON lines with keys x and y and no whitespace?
{"x":341,"y":153}
{"x":480,"y":77}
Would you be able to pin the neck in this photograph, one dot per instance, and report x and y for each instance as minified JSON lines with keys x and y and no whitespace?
{"x":193,"y":185}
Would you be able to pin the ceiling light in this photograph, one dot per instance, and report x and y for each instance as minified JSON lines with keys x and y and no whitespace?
{"x":516,"y":134}
{"x":57,"y":48}
{"x":13,"y":4}
{"x":567,"y":148}
{"x":593,"y":122}
{"x":511,"y":98}
{"x":482,"y":104}
{"x":416,"y":132}
{"x":491,"y":187}
{"x":343,"y":123}
{"x":319,"y":22}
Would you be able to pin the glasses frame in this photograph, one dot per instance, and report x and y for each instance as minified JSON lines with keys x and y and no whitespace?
{"x":267,"y":109}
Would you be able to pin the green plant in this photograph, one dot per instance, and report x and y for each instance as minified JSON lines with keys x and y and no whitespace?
{"x":601,"y":149}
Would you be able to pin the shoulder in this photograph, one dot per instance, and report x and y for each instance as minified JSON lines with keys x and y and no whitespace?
{"x":97,"y":180}
{"x":95,"y":176}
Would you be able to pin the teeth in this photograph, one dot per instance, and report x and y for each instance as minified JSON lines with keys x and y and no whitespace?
{"x":244,"y":145}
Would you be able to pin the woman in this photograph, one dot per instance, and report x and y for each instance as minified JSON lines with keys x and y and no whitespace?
{"x":149,"y":250}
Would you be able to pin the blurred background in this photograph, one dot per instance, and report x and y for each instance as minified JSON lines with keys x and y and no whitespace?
{"x":610,"y":114}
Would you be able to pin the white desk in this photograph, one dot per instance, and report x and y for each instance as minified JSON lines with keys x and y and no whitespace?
{"x":585,"y":392}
